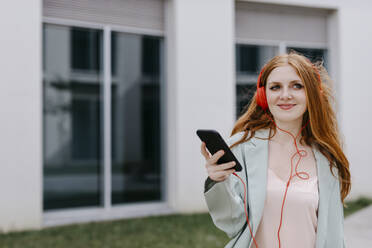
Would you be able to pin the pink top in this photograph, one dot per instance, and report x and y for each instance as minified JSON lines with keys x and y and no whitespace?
{"x":299,"y":215}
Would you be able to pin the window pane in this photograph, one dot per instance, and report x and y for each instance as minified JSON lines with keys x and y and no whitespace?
{"x":85,"y":49}
{"x":136,"y":132}
{"x":249,"y":61}
{"x":71,"y":116}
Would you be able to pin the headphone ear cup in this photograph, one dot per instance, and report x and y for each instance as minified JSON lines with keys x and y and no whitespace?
{"x":261,"y":98}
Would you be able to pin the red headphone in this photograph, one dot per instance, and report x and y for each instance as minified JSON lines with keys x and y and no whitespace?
{"x":262,"y":102}
{"x":261,"y":95}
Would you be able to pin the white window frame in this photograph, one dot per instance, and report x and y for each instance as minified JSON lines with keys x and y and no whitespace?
{"x":126,"y":210}
{"x":282,"y":47}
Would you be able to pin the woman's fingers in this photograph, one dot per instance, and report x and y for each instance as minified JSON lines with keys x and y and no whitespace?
{"x":222,"y":167}
{"x":213,"y":160}
{"x":217,"y":172}
{"x":220,"y":172}
{"x":227,"y":165}
{"x":222,"y":175}
{"x":204,"y":151}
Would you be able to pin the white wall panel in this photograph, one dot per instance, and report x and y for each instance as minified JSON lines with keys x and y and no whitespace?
{"x":21,"y":115}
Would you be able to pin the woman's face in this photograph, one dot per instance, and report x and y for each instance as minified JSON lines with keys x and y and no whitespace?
{"x":285,"y":94}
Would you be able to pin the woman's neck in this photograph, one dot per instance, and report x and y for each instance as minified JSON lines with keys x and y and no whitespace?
{"x":284,"y":138}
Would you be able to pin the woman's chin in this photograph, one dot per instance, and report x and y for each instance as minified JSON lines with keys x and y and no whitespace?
{"x":288,"y":118}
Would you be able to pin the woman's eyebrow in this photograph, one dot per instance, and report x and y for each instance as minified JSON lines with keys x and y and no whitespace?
{"x":293,"y":81}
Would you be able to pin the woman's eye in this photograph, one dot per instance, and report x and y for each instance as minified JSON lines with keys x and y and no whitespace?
{"x":298,"y":86}
{"x":275,"y":87}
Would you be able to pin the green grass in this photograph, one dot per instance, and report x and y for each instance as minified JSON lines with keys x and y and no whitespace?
{"x":172,"y":231}
{"x":354,"y":206}
{"x":176,"y":231}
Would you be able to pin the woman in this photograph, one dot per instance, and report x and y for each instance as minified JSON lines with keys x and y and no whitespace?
{"x":295,"y":175}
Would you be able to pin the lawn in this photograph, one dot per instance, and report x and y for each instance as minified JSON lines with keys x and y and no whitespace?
{"x":173,"y":231}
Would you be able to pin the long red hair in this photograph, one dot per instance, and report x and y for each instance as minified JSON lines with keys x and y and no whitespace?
{"x":321,"y":131}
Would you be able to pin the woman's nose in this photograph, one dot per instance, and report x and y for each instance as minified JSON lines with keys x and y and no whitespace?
{"x":286,"y":93}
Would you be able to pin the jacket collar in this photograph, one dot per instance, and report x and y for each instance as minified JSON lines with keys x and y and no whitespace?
{"x":256,"y":151}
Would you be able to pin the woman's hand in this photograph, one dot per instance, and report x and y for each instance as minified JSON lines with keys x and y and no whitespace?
{"x":216,"y":172}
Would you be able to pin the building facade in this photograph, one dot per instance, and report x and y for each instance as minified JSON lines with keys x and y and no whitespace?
{"x":100,"y":100}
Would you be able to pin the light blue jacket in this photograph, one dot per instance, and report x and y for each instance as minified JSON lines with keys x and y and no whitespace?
{"x":225,"y":199}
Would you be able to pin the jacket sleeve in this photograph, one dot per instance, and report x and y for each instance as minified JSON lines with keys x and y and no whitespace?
{"x":336,"y":237}
{"x":225,"y":200}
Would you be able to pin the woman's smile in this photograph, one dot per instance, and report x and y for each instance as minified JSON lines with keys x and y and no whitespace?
{"x":286,"y":106}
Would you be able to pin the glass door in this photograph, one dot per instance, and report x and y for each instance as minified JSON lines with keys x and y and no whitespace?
{"x":75,"y":171}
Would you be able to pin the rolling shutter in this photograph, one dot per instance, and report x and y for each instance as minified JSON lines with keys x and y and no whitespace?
{"x":145,"y":14}
{"x":281,"y":23}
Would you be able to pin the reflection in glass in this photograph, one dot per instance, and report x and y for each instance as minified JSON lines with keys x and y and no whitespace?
{"x":314,"y":54}
{"x":136,"y":132}
{"x":71,"y":116}
{"x":249,"y":60}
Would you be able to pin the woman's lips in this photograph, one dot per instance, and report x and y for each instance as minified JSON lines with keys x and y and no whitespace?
{"x":286,"y":106}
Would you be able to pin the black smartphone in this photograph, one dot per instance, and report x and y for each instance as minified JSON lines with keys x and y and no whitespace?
{"x":214,"y":142}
